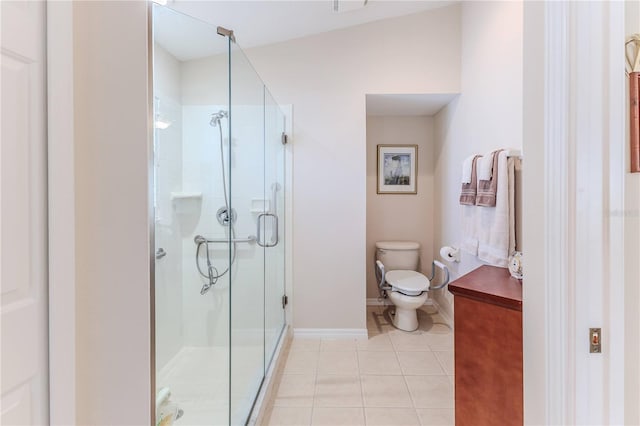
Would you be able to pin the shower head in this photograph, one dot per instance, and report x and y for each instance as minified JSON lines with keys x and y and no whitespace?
{"x":217,"y":116}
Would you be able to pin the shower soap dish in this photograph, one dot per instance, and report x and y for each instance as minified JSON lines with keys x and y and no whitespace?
{"x":185,"y":195}
{"x":260,"y":205}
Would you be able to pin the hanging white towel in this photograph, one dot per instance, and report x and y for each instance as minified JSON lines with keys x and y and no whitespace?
{"x":467,"y":166}
{"x":485,"y":166}
{"x":495,"y":226}
{"x":468,"y":221}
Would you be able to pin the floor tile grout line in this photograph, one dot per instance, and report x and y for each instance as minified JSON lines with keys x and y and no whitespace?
{"x":315,"y":384}
{"x":400,"y":365}
{"x":360,"y":382}
{"x":360,"y":376}
{"x":441,"y":363}
{"x":406,"y":384}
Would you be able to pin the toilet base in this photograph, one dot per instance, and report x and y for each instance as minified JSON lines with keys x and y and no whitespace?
{"x":406,"y":316}
{"x":405,"y":319}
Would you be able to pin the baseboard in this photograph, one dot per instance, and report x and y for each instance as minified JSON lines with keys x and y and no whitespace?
{"x":378,"y":302}
{"x":442,"y":313}
{"x":429,"y":302}
{"x":330,"y":333}
{"x":383,"y":302}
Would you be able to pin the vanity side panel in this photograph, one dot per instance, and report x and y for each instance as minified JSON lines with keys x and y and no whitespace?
{"x":488,"y":364}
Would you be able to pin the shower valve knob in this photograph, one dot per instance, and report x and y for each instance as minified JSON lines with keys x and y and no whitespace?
{"x":160,"y":253}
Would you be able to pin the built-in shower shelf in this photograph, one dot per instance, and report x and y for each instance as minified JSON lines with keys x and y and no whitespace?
{"x":186,"y":196}
{"x":260,"y":205}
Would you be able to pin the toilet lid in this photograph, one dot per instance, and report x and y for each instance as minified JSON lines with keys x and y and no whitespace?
{"x":411,"y":283}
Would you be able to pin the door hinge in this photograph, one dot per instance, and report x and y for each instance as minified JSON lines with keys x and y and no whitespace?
{"x":285,"y":301}
{"x":285,"y":138}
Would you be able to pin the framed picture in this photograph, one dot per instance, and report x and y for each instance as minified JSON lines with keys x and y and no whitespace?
{"x":397,"y":169}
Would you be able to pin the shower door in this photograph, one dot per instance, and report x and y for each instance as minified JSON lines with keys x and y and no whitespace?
{"x":219,"y":225}
{"x":257,"y":188}
{"x":274,"y":225}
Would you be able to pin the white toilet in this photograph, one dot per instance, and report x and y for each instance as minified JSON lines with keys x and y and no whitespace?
{"x":396,"y":264}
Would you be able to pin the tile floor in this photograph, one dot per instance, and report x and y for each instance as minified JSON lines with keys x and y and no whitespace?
{"x":394,"y":378}
{"x":198,"y":378}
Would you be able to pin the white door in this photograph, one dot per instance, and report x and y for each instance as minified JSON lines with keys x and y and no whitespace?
{"x":23,"y":215}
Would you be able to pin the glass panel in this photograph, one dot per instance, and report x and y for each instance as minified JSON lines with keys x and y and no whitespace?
{"x":274,"y":229}
{"x":248,"y":200}
{"x":191,"y":169}
{"x":219,"y":224}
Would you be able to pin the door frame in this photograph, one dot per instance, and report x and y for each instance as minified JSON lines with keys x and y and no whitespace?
{"x":61,"y":177}
{"x":575,"y":268}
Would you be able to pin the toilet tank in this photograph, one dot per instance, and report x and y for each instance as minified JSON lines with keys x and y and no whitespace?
{"x":398,"y":254}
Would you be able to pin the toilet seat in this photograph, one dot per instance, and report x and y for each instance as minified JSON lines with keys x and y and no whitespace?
{"x":407,"y":282}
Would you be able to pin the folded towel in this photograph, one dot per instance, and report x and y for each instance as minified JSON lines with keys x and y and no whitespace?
{"x":487,"y":188}
{"x":485,"y":166}
{"x":467,"y":166}
{"x":468,"y":192}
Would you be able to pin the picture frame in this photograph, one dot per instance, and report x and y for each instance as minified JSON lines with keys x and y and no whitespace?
{"x":397,"y":169}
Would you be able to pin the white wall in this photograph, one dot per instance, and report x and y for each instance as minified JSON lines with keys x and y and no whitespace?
{"x":112,"y":202}
{"x":62,"y":224}
{"x":632,"y":266}
{"x":326,"y":78}
{"x":205,"y":81}
{"x":398,"y":216}
{"x":487,"y":114}
{"x":206,"y":317}
{"x":203,"y":89}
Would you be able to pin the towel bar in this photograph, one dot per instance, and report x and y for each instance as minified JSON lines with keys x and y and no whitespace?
{"x":514,"y":153}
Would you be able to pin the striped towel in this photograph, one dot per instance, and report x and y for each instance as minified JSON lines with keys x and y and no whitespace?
{"x":487,"y":189}
{"x":468,"y":192}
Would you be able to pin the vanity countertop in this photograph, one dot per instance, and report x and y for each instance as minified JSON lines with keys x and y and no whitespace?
{"x":490,"y":284}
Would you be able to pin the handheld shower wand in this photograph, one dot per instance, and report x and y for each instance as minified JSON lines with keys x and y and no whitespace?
{"x":225,"y":215}
{"x":217,"y":116}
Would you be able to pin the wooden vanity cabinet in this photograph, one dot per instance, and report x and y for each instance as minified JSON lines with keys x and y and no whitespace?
{"x":488,"y":348}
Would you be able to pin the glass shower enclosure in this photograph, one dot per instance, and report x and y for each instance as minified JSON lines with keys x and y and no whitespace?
{"x":219,"y":208}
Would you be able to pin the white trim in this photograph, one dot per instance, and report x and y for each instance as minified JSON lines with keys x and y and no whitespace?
{"x":558,"y":278}
{"x":377,"y":302}
{"x":582,"y":263}
{"x":445,"y":315}
{"x":428,"y":302}
{"x":330,"y":333}
{"x":590,"y":189}
{"x":617,"y":167}
{"x":288,"y":208}
{"x":62,"y":290}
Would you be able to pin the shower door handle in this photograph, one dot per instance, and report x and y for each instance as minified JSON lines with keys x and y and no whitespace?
{"x":274,"y":235}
